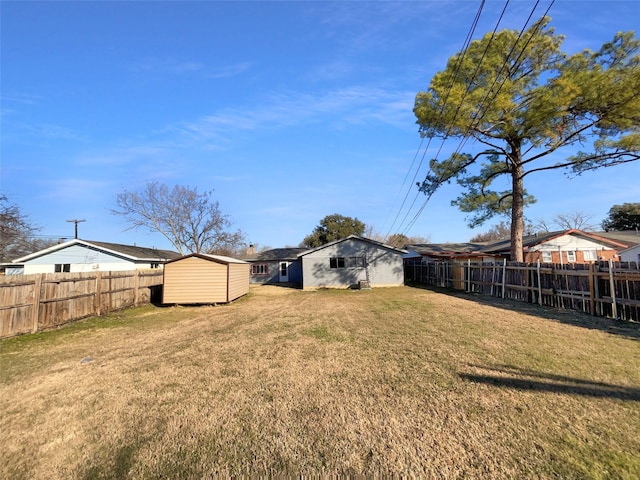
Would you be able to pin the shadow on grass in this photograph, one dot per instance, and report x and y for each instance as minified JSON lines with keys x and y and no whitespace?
{"x":524,"y":379}
{"x":119,"y":466}
{"x":570,"y":317}
{"x":291,"y":285}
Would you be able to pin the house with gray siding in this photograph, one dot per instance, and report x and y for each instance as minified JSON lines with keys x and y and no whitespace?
{"x":352,"y":262}
{"x":278,"y":265}
{"x":88,"y":256}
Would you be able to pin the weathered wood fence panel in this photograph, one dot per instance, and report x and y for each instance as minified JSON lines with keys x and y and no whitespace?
{"x":31,"y":303}
{"x":604,"y":289}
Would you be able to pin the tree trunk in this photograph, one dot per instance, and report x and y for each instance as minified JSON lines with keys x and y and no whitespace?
{"x":517,"y":205}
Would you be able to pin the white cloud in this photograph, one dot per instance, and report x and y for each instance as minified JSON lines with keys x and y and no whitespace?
{"x":37,"y":133}
{"x":352,"y":105}
{"x":228,"y":71}
{"x":22,"y":98}
{"x":167,"y":65}
{"x":123,"y":156}
{"x":80,"y":189}
{"x":228,"y":179}
{"x":368,"y":29}
{"x":59,"y":132}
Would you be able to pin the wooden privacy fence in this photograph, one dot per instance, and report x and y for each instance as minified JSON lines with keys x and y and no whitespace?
{"x":31,"y":303}
{"x":604,"y":289}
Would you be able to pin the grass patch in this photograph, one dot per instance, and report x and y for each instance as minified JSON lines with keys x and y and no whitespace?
{"x":322,"y":332}
{"x":131,"y":317}
{"x":384,"y":382}
{"x":25,"y":354}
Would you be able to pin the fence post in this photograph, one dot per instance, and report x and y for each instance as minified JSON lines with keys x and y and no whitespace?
{"x":97,"y":303}
{"x":612,"y":283}
{"x":493,"y":277}
{"x":504,"y":275}
{"x":539,"y":284}
{"x":592,"y":288}
{"x":468,"y":275}
{"x":136,"y":287}
{"x":37,"y":289}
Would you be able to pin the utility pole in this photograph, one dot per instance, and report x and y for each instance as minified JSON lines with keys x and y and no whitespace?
{"x":76,"y":222}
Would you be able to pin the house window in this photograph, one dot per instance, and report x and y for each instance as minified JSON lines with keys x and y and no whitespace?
{"x":336,"y":262}
{"x":590,"y":255}
{"x":546,"y":257}
{"x":356,"y":262}
{"x":571,"y":256}
{"x":62,"y":267}
{"x":259,"y":269}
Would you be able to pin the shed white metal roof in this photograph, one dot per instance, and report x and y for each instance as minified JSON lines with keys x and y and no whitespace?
{"x":207,"y":256}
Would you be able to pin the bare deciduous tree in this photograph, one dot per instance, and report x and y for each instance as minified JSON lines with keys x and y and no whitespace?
{"x":397,"y":240}
{"x":500,"y":231}
{"x":17,"y":233}
{"x":566,"y":221}
{"x":578,"y":220}
{"x":400,"y":240}
{"x":190,"y":220}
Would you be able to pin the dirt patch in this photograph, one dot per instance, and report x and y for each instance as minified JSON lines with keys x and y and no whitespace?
{"x":272,"y":290}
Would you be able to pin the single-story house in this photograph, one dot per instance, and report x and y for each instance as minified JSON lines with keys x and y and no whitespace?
{"x":349,"y":262}
{"x":88,"y":256}
{"x":628,"y":237}
{"x":562,"y":247}
{"x":631,"y":254}
{"x":278,"y":265}
{"x":566,"y":246}
{"x":202,"y":279}
{"x":352,"y":261}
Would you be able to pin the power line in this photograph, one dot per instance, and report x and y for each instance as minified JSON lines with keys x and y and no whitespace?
{"x":458,"y":66}
{"x":489,"y":102}
{"x":464,"y":140}
{"x":56,"y":237}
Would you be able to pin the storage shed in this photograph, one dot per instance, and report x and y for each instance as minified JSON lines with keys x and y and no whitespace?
{"x":202,"y":278}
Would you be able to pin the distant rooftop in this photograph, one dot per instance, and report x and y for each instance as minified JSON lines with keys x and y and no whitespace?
{"x":289,"y":253}
{"x":135,"y":251}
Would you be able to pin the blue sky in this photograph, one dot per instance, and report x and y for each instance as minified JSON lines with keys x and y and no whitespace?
{"x":289,"y":110}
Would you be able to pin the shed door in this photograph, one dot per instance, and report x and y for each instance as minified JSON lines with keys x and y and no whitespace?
{"x":284,"y":271}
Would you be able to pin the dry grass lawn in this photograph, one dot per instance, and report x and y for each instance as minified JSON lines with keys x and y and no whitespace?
{"x":398,"y":381}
